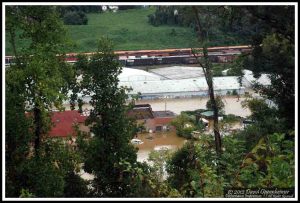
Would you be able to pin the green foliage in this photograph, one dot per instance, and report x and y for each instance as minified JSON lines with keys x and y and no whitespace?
{"x":26,"y":194}
{"x":213,"y":18}
{"x":45,"y":175}
{"x":232,"y":157}
{"x":75,"y":18}
{"x":192,"y":172}
{"x":144,"y":182}
{"x":35,"y":83}
{"x":127,"y":7}
{"x":17,"y":135}
{"x":270,"y":163}
{"x":62,"y":10}
{"x":184,"y":125}
{"x":110,"y":125}
{"x":261,"y":155}
{"x":158,"y":158}
{"x":231,"y":118}
{"x":44,"y":178}
{"x":266,"y":121}
{"x":220,"y":103}
{"x":195,"y":112}
{"x":273,"y":53}
{"x":75,"y":186}
{"x":217,"y":68}
{"x":259,"y":109}
{"x":140,"y":34}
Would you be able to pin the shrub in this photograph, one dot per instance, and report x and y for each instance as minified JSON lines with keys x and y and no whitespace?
{"x":75,"y":18}
{"x":219,"y":102}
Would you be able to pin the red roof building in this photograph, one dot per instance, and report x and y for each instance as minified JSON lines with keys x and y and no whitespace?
{"x":64,"y":123}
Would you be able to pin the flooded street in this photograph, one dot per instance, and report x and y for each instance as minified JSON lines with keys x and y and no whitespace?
{"x":170,"y":139}
{"x":232,"y":105}
{"x":163,"y":139}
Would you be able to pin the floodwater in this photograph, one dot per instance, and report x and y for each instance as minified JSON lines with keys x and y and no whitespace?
{"x":170,"y":139}
{"x":156,"y":141}
{"x":232,"y":105}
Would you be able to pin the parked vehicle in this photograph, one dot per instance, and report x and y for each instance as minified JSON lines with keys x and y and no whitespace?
{"x":136,"y":141}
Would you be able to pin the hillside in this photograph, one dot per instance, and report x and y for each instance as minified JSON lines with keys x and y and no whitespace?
{"x":129,"y":30}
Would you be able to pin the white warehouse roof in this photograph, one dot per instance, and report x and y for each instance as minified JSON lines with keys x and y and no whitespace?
{"x":182,"y":85}
{"x":151,"y":84}
{"x":130,"y":74}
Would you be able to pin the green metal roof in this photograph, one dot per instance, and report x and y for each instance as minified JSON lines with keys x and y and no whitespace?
{"x":207,"y":113}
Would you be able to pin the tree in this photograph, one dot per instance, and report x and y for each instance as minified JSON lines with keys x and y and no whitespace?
{"x":269,"y":164}
{"x":46,"y":75}
{"x":112,"y":129}
{"x":266,"y":121}
{"x":184,"y":125}
{"x":281,"y":68}
{"x":220,"y":104}
{"x":127,"y":7}
{"x":192,"y":170}
{"x":274,"y":53}
{"x":75,"y":18}
{"x":158,"y":158}
{"x":17,"y":134}
{"x":75,"y":186}
{"x":47,"y":175}
{"x":207,"y":67}
{"x":35,"y":83}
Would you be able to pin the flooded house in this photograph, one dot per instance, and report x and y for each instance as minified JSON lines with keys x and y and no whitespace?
{"x":64,"y":125}
{"x":153,"y":121}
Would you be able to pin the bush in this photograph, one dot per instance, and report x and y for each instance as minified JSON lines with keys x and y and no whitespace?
{"x":75,"y":18}
{"x":234,"y":92}
{"x":230,"y":118}
{"x":127,"y":7}
{"x":75,"y":186}
{"x":219,"y":102}
{"x":181,"y":122}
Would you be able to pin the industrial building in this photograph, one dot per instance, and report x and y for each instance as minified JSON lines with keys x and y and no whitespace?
{"x":157,"y":86}
{"x":152,"y":86}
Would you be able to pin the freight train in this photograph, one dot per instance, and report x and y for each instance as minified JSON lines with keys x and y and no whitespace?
{"x":165,"y":56}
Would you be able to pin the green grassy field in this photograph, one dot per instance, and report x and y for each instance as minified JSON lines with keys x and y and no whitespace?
{"x":129,"y":30}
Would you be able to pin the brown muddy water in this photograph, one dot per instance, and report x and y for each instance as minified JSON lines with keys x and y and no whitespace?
{"x":159,"y":140}
{"x":232,"y":105}
{"x":170,"y":139}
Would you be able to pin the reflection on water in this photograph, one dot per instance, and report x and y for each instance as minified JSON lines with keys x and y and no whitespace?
{"x":156,"y":141}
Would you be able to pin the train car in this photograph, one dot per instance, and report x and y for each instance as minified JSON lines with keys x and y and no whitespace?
{"x":224,"y":50}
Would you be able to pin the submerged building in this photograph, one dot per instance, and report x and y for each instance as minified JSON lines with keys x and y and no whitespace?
{"x":152,"y":121}
{"x":152,"y":86}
